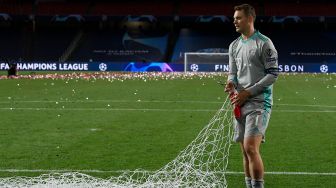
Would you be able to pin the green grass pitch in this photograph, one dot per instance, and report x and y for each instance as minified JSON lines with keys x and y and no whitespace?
{"x":100,"y":124}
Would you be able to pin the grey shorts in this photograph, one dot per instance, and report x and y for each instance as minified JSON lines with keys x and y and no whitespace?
{"x":253,"y":122}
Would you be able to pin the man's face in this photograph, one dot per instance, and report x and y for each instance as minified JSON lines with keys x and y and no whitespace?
{"x":241,"y":21}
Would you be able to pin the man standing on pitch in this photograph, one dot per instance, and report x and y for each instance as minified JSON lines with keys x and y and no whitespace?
{"x":253,"y":62}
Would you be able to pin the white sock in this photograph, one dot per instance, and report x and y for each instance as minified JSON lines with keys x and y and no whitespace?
{"x":248,"y":182}
{"x":257,"y":183}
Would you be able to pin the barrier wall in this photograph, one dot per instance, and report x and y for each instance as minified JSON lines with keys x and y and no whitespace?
{"x":158,"y":66}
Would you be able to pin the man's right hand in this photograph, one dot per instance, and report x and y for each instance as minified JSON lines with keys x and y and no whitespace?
{"x":229,"y":87}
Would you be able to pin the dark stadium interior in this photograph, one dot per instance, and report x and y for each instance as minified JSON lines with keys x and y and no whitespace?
{"x":123,"y":31}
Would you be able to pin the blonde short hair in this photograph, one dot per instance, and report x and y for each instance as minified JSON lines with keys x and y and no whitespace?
{"x":247,"y":9}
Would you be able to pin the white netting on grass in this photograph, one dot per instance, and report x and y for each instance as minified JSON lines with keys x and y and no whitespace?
{"x":201,"y":164}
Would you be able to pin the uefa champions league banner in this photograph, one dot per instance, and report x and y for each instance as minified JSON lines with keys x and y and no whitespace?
{"x":288,"y":68}
{"x":94,"y":66}
{"x":157,"y":66}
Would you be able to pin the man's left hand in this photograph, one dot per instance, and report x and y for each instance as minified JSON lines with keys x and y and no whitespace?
{"x":241,"y":97}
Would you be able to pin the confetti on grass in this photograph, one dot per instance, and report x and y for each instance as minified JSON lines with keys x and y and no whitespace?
{"x":117,"y":76}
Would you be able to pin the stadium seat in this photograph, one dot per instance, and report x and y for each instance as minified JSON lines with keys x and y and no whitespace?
{"x":198,"y":8}
{"x":61,"y":8}
{"x":16,"y":8}
{"x":300,"y":9}
{"x":134,"y":8}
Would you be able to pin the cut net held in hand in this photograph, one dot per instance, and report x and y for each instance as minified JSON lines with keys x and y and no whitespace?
{"x":201,"y":164}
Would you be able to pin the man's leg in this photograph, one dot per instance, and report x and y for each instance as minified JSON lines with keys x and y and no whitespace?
{"x":256,"y":125}
{"x":256,"y":167}
{"x":246,"y":166}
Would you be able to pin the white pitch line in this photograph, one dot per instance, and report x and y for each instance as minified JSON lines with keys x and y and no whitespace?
{"x":306,"y":111}
{"x":156,"y":101}
{"x":113,"y":101}
{"x":293,"y":173}
{"x":148,"y":171}
{"x":306,"y":105}
{"x":154,"y":109}
{"x":112,"y":109}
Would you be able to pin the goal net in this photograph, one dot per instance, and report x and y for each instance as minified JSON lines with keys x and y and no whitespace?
{"x":202,"y":163}
{"x":206,"y":62}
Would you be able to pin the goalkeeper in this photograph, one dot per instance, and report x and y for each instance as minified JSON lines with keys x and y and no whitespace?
{"x":253,"y":63}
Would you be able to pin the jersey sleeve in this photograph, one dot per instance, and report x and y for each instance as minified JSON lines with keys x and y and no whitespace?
{"x":269,"y":57}
{"x":232,"y":67}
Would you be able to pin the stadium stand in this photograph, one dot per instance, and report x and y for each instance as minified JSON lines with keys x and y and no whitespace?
{"x":120,"y":45}
{"x":300,"y":9}
{"x":62,"y":8}
{"x":16,"y":7}
{"x":145,"y":30}
{"x":12,"y":46}
{"x":50,"y":43}
{"x":136,"y":8}
{"x":202,"y":8}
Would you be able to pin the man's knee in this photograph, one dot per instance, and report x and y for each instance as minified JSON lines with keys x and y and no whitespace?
{"x":251,"y":145}
{"x":251,"y":150}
